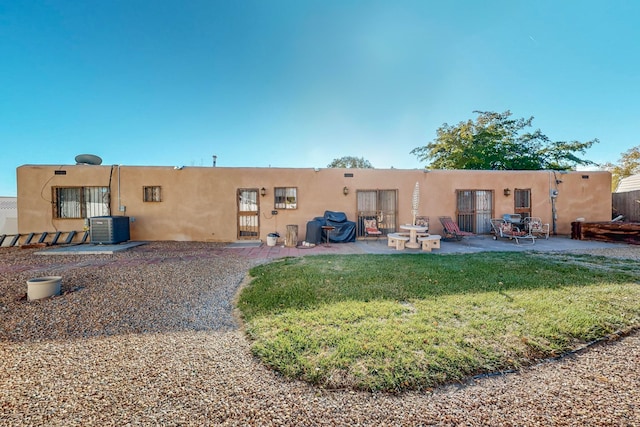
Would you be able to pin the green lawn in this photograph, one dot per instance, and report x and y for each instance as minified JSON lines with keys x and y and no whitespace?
{"x":396,"y":322}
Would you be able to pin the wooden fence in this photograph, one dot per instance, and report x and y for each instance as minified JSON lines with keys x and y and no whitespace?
{"x":627,"y":204}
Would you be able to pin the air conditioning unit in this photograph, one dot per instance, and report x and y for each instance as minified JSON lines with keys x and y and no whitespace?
{"x":109,"y":229}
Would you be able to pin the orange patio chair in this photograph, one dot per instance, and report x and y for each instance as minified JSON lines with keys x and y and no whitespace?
{"x":371,"y":228}
{"x":451,"y":229}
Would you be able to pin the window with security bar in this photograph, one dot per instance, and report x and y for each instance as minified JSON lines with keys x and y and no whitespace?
{"x":152,"y":193}
{"x":286,"y":198}
{"x":80,"y":202}
{"x":522,"y":202}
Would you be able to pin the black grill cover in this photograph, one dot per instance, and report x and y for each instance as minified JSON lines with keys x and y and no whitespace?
{"x":314,"y":232}
{"x":337,"y":217}
{"x":345,"y":231}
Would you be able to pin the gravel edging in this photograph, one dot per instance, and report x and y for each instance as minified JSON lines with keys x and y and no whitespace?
{"x":157,"y":351}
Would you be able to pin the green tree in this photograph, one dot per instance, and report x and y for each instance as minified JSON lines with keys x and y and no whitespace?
{"x":628,"y":164}
{"x":350,"y":162}
{"x":497,"y":141}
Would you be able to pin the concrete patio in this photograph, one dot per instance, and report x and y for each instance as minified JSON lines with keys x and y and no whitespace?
{"x":479,"y":243}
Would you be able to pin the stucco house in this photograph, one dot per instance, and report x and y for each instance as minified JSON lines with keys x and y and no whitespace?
{"x":223,"y":204}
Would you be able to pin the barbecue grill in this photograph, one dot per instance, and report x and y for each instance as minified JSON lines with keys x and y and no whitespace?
{"x":512,"y":218}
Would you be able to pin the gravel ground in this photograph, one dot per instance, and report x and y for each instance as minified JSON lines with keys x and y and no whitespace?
{"x":148,"y":337}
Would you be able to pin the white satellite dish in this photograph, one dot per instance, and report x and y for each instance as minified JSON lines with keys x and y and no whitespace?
{"x":88,"y":159}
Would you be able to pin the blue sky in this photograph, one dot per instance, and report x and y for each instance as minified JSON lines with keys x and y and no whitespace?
{"x":299,"y":83}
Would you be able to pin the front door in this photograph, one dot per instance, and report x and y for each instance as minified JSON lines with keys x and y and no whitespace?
{"x":248,"y":214}
{"x":474,"y":209}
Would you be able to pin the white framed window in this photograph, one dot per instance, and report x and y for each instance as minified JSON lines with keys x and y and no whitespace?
{"x":285,"y":198}
{"x":152,"y":193}
{"x":80,"y":202}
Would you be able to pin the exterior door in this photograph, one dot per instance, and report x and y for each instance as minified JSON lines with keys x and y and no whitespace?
{"x":381,"y":205}
{"x":474,"y":210}
{"x":248,"y":214}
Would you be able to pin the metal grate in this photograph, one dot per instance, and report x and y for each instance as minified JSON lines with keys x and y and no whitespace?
{"x":80,"y":202}
{"x":152,"y":193}
{"x":378,"y":204}
{"x":248,"y":210}
{"x":474,"y":210}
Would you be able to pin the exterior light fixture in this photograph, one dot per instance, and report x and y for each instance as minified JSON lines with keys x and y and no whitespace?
{"x":263,"y":191}
{"x":507,"y":192}
{"x":345,"y":190}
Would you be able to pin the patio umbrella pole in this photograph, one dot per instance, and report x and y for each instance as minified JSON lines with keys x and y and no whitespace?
{"x":415,"y":202}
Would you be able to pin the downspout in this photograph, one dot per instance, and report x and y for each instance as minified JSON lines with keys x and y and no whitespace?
{"x":110,"y":182}
{"x":553,"y":194}
{"x":554,"y":215}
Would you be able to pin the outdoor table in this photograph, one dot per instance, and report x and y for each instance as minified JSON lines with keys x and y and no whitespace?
{"x":328,"y":229}
{"x":413,"y":234}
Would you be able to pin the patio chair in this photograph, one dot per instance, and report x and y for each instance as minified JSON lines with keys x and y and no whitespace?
{"x":371,"y":228}
{"x":422,"y":221}
{"x":505,"y":229}
{"x":451,"y":229}
{"x":535,"y":226}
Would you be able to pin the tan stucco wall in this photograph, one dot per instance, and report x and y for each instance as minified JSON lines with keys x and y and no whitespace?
{"x":199,"y":203}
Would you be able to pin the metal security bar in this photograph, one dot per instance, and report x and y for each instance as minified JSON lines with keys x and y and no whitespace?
{"x":380,"y":205}
{"x":80,"y":202}
{"x":248,"y":214}
{"x":474,"y":210}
